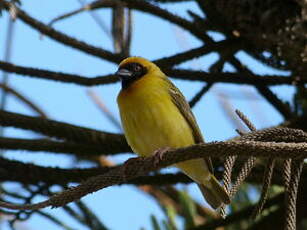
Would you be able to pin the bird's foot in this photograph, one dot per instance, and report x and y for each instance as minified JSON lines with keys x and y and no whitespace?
{"x":158,"y":154}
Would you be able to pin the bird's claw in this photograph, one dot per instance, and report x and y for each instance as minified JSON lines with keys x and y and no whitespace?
{"x":158,"y":154}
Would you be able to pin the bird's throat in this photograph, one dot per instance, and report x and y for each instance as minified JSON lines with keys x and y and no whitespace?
{"x":127,"y":82}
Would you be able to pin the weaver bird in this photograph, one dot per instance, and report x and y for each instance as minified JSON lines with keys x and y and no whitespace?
{"x":155,"y":115}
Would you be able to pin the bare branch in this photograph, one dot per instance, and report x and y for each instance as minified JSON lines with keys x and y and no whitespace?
{"x":110,"y":142}
{"x":245,"y":120}
{"x":97,"y":20}
{"x":197,"y":52}
{"x":23,"y":99}
{"x":200,"y":94}
{"x":286,"y":173}
{"x":184,"y":74}
{"x":236,"y":78}
{"x":243,"y":174}
{"x":57,"y":76}
{"x":239,"y":215}
{"x":38,"y":145}
{"x":291,"y":194}
{"x":265,"y":187}
{"x":141,"y":166}
{"x":34,"y":174}
{"x":63,"y":38}
{"x":83,"y":149}
{"x":102,"y":107}
{"x":228,"y":167}
{"x":147,"y":8}
{"x":54,"y":220}
{"x":280,"y":106}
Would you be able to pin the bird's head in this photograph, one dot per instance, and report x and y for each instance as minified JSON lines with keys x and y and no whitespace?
{"x":134,"y":68}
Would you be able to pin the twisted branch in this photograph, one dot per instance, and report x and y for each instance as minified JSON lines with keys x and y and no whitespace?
{"x":141,"y":166}
{"x":34,"y":174}
{"x":286,"y":173}
{"x":291,"y":194}
{"x":248,"y":164}
{"x":267,"y":180}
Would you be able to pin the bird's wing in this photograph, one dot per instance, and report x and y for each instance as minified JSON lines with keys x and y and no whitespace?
{"x":184,"y":108}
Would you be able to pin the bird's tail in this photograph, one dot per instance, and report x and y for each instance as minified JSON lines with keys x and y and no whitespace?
{"x":214,"y":193}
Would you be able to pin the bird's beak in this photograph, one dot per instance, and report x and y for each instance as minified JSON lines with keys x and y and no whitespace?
{"x":124,"y":73}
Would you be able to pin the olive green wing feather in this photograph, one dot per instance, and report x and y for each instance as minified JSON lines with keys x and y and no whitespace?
{"x":184,"y":108}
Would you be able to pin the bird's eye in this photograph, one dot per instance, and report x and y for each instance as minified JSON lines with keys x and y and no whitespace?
{"x":137,"y":68}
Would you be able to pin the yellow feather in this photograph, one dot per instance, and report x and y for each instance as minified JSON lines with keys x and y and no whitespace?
{"x":152,"y":121}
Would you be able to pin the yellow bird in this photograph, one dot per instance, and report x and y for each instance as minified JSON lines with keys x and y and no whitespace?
{"x":155,"y":115}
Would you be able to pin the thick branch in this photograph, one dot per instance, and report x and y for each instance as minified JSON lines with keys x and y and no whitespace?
{"x":108,"y":141}
{"x":83,"y":149}
{"x":33,"y":174}
{"x":38,"y":145}
{"x":141,"y":166}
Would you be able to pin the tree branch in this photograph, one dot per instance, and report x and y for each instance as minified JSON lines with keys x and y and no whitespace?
{"x":38,"y":145}
{"x":33,"y":174}
{"x":239,"y":215}
{"x":185,"y":74}
{"x":108,"y":141}
{"x":146,"y":7}
{"x":57,"y":76}
{"x":200,"y":94}
{"x":197,"y":52}
{"x":236,"y":78}
{"x":22,"y":98}
{"x":63,"y":38}
{"x":281,"y":107}
{"x":141,"y":166}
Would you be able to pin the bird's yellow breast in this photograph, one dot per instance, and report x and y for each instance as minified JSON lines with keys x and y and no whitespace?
{"x":150,"y":119}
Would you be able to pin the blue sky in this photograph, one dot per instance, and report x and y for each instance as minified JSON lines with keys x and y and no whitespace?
{"x":118,"y":206}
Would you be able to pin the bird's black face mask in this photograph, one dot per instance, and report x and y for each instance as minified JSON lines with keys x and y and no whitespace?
{"x":130,"y":72}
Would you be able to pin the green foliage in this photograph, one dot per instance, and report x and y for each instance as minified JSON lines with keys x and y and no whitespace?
{"x":188,"y":214}
{"x":171,"y":217}
{"x":167,"y":224}
{"x":188,"y":209}
{"x":154,"y":223}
